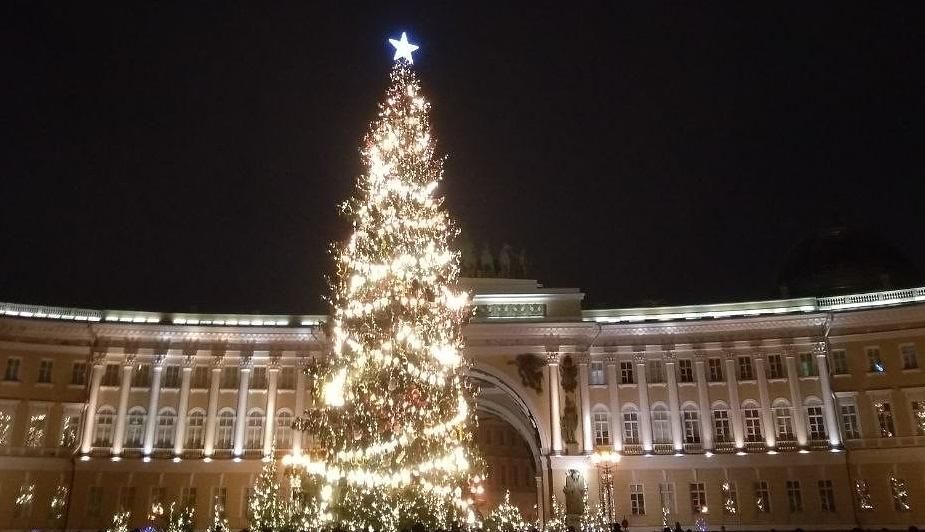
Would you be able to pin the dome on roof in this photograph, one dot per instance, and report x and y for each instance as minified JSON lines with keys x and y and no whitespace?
{"x":842,"y":260}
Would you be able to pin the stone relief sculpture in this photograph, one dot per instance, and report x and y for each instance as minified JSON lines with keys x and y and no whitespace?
{"x":487,"y":262}
{"x":568,"y":377}
{"x":574,"y":492}
{"x":530,"y":369}
{"x":568,"y":373}
{"x":504,"y":261}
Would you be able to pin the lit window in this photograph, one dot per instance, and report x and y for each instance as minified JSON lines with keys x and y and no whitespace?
{"x":225,"y":427}
{"x":666,"y":498}
{"x":661,"y":427}
{"x":626,"y":373}
{"x":783,"y":420}
{"x":70,"y":425}
{"x":885,"y":419}
{"x":103,"y":427}
{"x":58,"y":503}
{"x":745,"y":368}
{"x":849,"y":421}
{"x":220,"y":497}
{"x":12,"y":369}
{"x":874,"y":362}
{"x":909,"y":356}
{"x":166,"y":427}
{"x":752,"y":425}
{"x":826,"y":496}
{"x":195,"y":425}
{"x":45,"y":369}
{"x":686,"y":370}
{"x":35,"y":433}
{"x":135,"y":427}
{"x":900,"y":494}
{"x":597,"y":373}
{"x":839,"y":362}
{"x":637,"y":500}
{"x":630,"y":428}
{"x":691,"y":420}
{"x":283,"y":430}
{"x":722,"y":432}
{"x":762,"y":497}
{"x":816,"y":423}
{"x":698,"y":498}
{"x":794,"y":496}
{"x":254,"y":435}
{"x":6,"y":427}
{"x":22,"y":506}
{"x":730,"y":498}
{"x":918,"y":416}
{"x":601,"y":421}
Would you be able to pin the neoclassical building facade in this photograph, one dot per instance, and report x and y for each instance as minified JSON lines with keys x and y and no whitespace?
{"x":788,"y":413}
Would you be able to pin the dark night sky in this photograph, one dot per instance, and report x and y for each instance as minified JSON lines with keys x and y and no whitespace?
{"x":191,"y":156}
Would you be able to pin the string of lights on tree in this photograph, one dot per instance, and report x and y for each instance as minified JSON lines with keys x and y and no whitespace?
{"x":392,"y":410}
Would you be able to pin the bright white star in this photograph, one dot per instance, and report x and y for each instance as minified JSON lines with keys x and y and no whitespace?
{"x":403,"y":48}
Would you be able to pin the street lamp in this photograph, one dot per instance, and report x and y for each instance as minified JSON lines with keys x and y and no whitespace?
{"x":605,"y":461}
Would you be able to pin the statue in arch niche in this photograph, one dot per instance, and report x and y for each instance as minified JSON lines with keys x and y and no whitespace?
{"x":568,"y":374}
{"x":574,"y":491}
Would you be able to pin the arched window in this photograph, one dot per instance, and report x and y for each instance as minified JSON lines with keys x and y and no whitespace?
{"x":783,"y":420}
{"x":166,"y":426}
{"x":254,"y":436}
{"x":283,"y":433}
{"x":752,"y":416}
{"x":600,"y":420}
{"x":135,"y":427}
{"x":195,"y":426}
{"x":815,"y":419}
{"x":690,"y":418}
{"x":224,"y":429}
{"x":661,"y":427}
{"x":722,"y":423}
{"x":630,"y":426}
{"x":104,"y":421}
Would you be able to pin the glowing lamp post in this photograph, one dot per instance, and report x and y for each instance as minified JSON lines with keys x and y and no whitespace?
{"x":605,"y":461}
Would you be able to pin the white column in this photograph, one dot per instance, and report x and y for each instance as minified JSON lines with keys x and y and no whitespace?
{"x":735,"y":406}
{"x":241,"y":415}
{"x":674,"y":407}
{"x":613,"y":393}
{"x":153,"y":397}
{"x":587,"y":438}
{"x":552,"y":372}
{"x":540,"y":501}
{"x":820,"y":349}
{"x":96,"y":378}
{"x":179,"y":439}
{"x":770,"y":430}
{"x":299,"y":403}
{"x":645,"y":413}
{"x":796,"y":400}
{"x":118,"y":438}
{"x":208,"y":445}
{"x":703,"y":399}
{"x":269,"y":424}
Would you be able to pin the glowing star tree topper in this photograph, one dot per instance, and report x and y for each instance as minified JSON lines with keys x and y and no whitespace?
{"x":403,"y":48}
{"x":393,"y":446}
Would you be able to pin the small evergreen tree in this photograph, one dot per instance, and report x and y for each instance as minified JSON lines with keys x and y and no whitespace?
{"x":219,"y":522}
{"x":266,"y":511}
{"x":180,"y":519}
{"x":505,"y":518}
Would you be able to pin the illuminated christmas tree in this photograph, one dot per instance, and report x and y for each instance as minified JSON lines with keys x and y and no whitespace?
{"x":391,"y":402}
{"x":265,"y":509}
{"x":219,"y":522}
{"x":505,"y":517}
{"x":180,"y":519}
{"x":119,"y":522}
